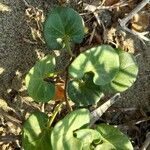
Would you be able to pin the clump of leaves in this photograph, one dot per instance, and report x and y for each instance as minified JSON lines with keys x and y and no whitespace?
{"x":72,"y":132}
{"x":92,"y":74}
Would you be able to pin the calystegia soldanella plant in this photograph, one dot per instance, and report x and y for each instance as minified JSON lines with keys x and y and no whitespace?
{"x":90,"y":76}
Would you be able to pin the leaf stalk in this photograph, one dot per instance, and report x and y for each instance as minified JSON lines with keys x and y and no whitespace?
{"x":67,"y":45}
{"x":56,"y":110}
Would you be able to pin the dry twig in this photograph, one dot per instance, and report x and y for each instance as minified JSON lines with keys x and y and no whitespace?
{"x":9,"y":138}
{"x":146,"y":144}
{"x":93,"y":33}
{"x":125,"y":20}
{"x":98,"y":112}
{"x":11,"y":118}
{"x":135,"y":122}
{"x":94,"y":8}
{"x":26,"y":3}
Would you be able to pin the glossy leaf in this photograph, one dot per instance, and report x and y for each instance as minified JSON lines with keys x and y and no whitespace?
{"x":39,"y":89}
{"x":84,"y":92}
{"x":87,"y":136}
{"x":62,"y":137}
{"x":61,"y":23}
{"x":103,"y":61}
{"x":126,"y":75}
{"x":106,"y":146}
{"x":35,"y":134}
{"x":113,"y":138}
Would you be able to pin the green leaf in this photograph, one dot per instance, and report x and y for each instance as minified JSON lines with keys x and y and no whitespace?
{"x":84,"y":92}
{"x":126,"y":75}
{"x":62,"y":137}
{"x":87,"y":136}
{"x":39,"y":89}
{"x":103,"y":61}
{"x":105,"y":146}
{"x":113,"y":138}
{"x":35,"y":134}
{"x":63,"y":22}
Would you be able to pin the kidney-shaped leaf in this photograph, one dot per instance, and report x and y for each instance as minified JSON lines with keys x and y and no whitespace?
{"x":87,"y":136}
{"x":126,"y":75}
{"x":62,"y":137}
{"x":39,"y":89}
{"x":63,"y":22}
{"x":35,"y":135}
{"x":112,"y":138}
{"x":84,"y":92}
{"x":103,"y":61}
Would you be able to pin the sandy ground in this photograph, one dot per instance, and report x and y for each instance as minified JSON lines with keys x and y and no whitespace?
{"x":17,"y":56}
{"x":139,"y":94}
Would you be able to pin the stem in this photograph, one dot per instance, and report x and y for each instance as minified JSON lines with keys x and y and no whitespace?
{"x":65,"y":91}
{"x":56,"y":110}
{"x":67,"y":45}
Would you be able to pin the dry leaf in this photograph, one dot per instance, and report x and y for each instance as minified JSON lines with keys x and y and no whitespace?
{"x":62,"y":1}
{"x":59,"y":96}
{"x":4,"y":8}
{"x":110,"y":2}
{"x":35,"y":18}
{"x":140,"y":22}
{"x":4,"y":105}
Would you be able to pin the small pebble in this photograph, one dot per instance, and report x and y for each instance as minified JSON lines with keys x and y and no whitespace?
{"x":106,"y":17}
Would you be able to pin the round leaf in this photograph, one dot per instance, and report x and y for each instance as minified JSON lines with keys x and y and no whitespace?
{"x":126,"y":75}
{"x":84,"y":92}
{"x":103,"y":61}
{"x":62,"y":135}
{"x":38,"y":88}
{"x":113,"y":139}
{"x":35,"y":134}
{"x":63,"y":22}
